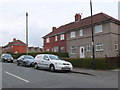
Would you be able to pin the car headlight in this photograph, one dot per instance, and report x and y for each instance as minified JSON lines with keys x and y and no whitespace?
{"x":59,"y":63}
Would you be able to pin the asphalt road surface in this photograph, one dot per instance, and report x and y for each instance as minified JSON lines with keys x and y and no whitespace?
{"x":14,"y":76}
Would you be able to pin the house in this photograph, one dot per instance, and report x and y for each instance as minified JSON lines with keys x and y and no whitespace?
{"x":34,"y":49}
{"x":78,"y":34}
{"x":56,"y":40}
{"x":16,"y":46}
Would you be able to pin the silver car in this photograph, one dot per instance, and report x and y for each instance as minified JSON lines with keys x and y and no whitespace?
{"x":25,"y":60}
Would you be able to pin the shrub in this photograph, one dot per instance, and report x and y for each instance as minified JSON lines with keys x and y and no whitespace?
{"x":100,"y":63}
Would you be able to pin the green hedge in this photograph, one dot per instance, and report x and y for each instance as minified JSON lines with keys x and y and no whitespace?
{"x":100,"y":63}
{"x":60,"y":54}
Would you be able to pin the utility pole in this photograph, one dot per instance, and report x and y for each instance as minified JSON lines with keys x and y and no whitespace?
{"x":27,"y":33}
{"x":93,"y":48}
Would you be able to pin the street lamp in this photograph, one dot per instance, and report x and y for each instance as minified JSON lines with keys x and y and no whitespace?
{"x":93,"y":49}
{"x":27,"y":33}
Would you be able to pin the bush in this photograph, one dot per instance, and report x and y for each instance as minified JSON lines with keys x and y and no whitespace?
{"x":100,"y":63}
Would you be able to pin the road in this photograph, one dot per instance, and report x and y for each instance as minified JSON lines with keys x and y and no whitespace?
{"x":14,"y":76}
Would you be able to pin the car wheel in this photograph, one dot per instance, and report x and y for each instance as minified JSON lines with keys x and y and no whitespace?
{"x":36,"y":66}
{"x":12,"y":61}
{"x":18,"y":63}
{"x":52,"y":68}
{"x":24,"y":64}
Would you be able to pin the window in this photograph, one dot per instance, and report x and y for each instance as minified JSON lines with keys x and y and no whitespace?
{"x":81,"y":32}
{"x":116,"y":46}
{"x":48,"y":50}
{"x":62,"y":49}
{"x":98,"y":28}
{"x":45,"y":57}
{"x":72,"y":34}
{"x":99,"y":47}
{"x":47,"y":40}
{"x":56,"y":38}
{"x":62,"y":37}
{"x":87,"y":47}
{"x":55,"y":49}
{"x":73,"y":50}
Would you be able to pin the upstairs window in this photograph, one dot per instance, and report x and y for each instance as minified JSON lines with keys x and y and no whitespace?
{"x":98,"y":28}
{"x":56,"y":38}
{"x":81,"y":32}
{"x":72,"y":34}
{"x":62,"y":37}
{"x":47,"y":40}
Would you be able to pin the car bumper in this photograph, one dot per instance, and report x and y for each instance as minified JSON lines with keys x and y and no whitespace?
{"x":64,"y":67}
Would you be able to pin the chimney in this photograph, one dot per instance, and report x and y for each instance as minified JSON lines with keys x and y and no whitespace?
{"x":54,"y":28}
{"x":77,"y":17}
{"x":14,"y":39}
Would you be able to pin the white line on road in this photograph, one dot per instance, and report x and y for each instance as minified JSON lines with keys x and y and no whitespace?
{"x":17,"y":77}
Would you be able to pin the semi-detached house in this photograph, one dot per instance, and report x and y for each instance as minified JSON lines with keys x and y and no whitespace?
{"x":75,"y":37}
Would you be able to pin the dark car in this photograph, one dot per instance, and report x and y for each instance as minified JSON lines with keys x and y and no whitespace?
{"x":25,"y":60}
{"x":6,"y":58}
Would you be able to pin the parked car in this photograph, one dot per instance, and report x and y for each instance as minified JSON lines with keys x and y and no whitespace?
{"x":51,"y":62}
{"x":25,"y":60}
{"x":6,"y":58}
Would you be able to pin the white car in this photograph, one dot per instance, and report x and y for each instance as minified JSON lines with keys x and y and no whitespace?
{"x":51,"y":62}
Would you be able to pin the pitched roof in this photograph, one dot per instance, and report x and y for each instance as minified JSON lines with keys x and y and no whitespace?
{"x":15,"y":42}
{"x":100,"y":17}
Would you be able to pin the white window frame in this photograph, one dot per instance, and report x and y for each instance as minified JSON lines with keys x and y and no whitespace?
{"x":47,"y":40}
{"x":99,"y":47}
{"x":62,"y":37}
{"x":88,"y":47}
{"x":81,"y":32}
{"x":73,"y":48}
{"x":98,"y":29}
{"x":56,"y":38}
{"x":116,"y":46}
{"x":47,"y":50}
{"x":56,"y":49}
{"x":62,"y":49}
{"x":72,"y":34}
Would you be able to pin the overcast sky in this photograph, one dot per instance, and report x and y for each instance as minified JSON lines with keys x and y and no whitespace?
{"x":43,"y":15}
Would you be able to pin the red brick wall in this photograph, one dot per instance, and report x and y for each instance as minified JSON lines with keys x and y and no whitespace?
{"x":19,"y":49}
{"x":53,"y":43}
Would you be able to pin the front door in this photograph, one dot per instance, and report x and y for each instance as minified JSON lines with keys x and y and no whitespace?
{"x":82,"y":55}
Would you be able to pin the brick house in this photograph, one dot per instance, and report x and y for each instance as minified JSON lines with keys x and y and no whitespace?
{"x":55,"y":40}
{"x":77,"y":34}
{"x":16,"y":46}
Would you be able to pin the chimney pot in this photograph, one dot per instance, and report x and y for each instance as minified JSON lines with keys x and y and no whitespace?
{"x":54,"y":28}
{"x":14,"y":39}
{"x":77,"y":17}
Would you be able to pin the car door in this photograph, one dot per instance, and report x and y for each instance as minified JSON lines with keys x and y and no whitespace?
{"x":45,"y":61}
{"x":38,"y":60}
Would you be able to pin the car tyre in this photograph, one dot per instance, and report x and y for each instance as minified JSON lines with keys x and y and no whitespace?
{"x":18,"y":63}
{"x":36,"y":66}
{"x":52,"y":68}
{"x":24,"y":64}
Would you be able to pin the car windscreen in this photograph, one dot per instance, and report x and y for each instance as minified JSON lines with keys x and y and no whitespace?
{"x":7,"y":56}
{"x":54,"y":57}
{"x":29,"y":57}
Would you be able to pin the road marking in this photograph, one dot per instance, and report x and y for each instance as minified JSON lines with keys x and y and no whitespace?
{"x":17,"y":77}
